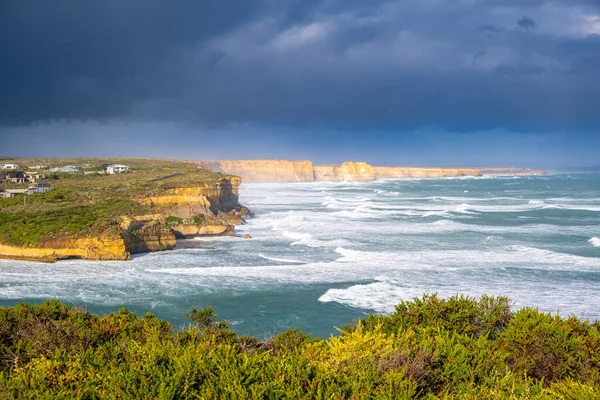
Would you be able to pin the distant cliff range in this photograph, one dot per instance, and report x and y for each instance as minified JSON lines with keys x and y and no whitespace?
{"x":306,"y":171}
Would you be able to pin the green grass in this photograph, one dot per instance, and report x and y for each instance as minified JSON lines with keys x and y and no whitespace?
{"x":32,"y":228}
{"x":457,"y":348}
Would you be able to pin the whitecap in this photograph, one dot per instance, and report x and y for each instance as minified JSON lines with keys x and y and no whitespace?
{"x":595,"y":241}
{"x":285,"y":260}
{"x":297,"y":235}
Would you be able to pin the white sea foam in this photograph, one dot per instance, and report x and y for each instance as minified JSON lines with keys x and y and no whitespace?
{"x":284,"y":260}
{"x":297,"y":235}
{"x":463,"y":209}
{"x":595,"y":241}
{"x":382,"y":296}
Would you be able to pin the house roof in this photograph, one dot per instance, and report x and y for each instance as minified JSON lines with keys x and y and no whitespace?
{"x":15,"y":174}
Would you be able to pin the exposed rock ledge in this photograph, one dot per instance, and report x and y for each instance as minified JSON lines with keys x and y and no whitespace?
{"x":305,"y":171}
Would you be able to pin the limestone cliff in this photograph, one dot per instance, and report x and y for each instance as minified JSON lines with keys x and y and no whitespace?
{"x":410,"y":172}
{"x":265,"y":170}
{"x":348,"y":171}
{"x":326,"y":172}
{"x":206,"y":199}
{"x":101,"y":248}
{"x":511,"y":171}
{"x":146,"y":233}
{"x":356,"y":171}
{"x":305,"y":171}
{"x":134,"y":235}
{"x":192,"y":231}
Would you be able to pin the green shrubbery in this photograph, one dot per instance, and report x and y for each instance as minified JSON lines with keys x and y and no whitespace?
{"x":22,"y":228}
{"x":195,"y":220}
{"x":428,"y":348}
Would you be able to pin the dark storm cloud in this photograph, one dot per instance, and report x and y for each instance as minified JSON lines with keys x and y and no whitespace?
{"x":328,"y":63}
{"x":526,"y":23}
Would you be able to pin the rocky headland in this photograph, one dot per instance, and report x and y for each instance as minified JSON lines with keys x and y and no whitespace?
{"x":112,"y":217}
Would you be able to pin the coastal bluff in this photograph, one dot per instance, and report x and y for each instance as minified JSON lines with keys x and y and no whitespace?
{"x":180,"y":212}
{"x":306,"y":171}
{"x":96,"y":216}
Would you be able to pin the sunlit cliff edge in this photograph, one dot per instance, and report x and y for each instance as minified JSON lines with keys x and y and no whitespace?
{"x":305,"y":171}
{"x":101,"y":217}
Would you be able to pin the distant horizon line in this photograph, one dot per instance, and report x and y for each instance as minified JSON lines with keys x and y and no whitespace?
{"x":570,"y":168}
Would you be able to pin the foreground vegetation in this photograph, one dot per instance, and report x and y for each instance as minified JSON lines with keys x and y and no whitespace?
{"x":428,"y":348}
{"x":86,"y":204}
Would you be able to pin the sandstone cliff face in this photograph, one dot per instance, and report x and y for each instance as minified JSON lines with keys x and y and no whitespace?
{"x":147,"y":233}
{"x":192,"y":231}
{"x":206,"y":199}
{"x":326,"y":172}
{"x":305,"y":171}
{"x":356,"y":171}
{"x":348,"y":171}
{"x":265,"y":170}
{"x":511,"y":171}
{"x":135,"y":235}
{"x":407,"y":172}
{"x":101,"y":248}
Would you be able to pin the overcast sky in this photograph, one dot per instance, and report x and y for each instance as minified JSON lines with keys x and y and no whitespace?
{"x":398,"y":82}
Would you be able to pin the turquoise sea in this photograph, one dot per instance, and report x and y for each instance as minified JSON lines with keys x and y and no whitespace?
{"x":323,"y":254}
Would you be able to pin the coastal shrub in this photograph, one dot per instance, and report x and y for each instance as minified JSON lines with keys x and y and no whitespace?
{"x":460,"y":314}
{"x":173,"y":220}
{"x":55,"y":351}
{"x":197,"y":220}
{"x":551,"y":348}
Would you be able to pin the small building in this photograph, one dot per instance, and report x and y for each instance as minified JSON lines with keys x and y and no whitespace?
{"x":9,"y":166}
{"x":34,"y":176}
{"x":38,"y":167}
{"x":116,"y":169}
{"x":13,"y":192}
{"x":15,"y":177}
{"x":38,"y":187}
{"x":34,"y":188}
{"x":67,"y":170}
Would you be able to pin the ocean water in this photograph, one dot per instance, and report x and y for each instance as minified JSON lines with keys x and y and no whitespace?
{"x":324,"y":254}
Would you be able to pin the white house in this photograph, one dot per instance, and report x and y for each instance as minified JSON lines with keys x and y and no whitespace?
{"x":116,"y":169}
{"x":9,"y":166}
{"x":35,"y":188}
{"x":40,"y":187}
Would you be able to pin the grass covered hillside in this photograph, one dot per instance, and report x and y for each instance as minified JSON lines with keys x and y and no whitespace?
{"x":428,"y":348}
{"x":90,"y":201}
